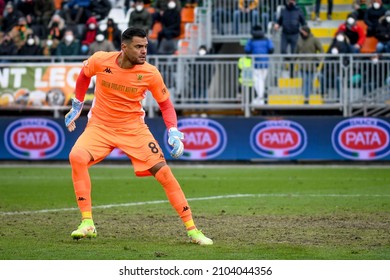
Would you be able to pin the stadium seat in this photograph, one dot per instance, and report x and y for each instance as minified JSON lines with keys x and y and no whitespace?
{"x":289,"y":82}
{"x":323,"y":32}
{"x":182,"y":30}
{"x":187,"y":14}
{"x":151,"y":10}
{"x":157,"y":27}
{"x":183,"y":47}
{"x":293,"y":98}
{"x":118,"y":15}
{"x":369,"y":45}
{"x":336,"y":15}
{"x":362,"y":24}
{"x":58,"y":4}
{"x":191,"y":30}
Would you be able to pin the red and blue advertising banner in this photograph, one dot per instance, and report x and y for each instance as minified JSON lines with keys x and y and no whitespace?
{"x":219,"y":139}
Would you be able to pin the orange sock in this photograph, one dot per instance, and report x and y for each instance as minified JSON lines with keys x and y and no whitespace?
{"x":79,"y":159}
{"x":175,"y":194}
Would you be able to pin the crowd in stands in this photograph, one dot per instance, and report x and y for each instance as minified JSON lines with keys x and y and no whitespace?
{"x":83,"y":27}
{"x":80,"y":27}
{"x":366,"y":20}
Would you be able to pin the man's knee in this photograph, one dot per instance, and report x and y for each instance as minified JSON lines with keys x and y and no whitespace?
{"x":79,"y":156}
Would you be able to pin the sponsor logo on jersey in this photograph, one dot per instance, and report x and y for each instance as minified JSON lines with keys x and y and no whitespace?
{"x":34,"y":138}
{"x":203,"y":138}
{"x":278,"y":139}
{"x":107,"y":70}
{"x":362,"y":138}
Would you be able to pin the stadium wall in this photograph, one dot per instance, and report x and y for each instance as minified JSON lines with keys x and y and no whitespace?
{"x":285,"y":139}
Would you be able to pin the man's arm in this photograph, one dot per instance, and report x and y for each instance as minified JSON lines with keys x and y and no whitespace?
{"x":174,"y":135}
{"x":168,"y":113}
{"x":362,"y":35}
{"x":82,"y":84}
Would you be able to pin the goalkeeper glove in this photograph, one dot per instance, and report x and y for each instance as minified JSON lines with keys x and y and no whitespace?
{"x":73,"y":114}
{"x":174,"y":139}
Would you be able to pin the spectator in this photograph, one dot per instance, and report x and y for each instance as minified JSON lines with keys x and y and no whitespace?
{"x":40,"y":17}
{"x":32,"y":47}
{"x":7,"y":46}
{"x":11,"y":17}
{"x":160,"y":6}
{"x":89,"y":35}
{"x":27,"y":8}
{"x":130,"y":4}
{"x":190,"y":3}
{"x":355,"y":33}
{"x":20,"y":32}
{"x":245,"y":77}
{"x":200,"y":76}
{"x":382,"y":33}
{"x":317,"y":9}
{"x":56,"y":27}
{"x":308,"y":44}
{"x":330,"y":76}
{"x":372,"y":15}
{"x":44,"y":10}
{"x":100,"y":44}
{"x":223,"y":11}
{"x":360,"y":7}
{"x":290,"y":20}
{"x":259,"y":44}
{"x":2,"y":8}
{"x":127,"y":4}
{"x":113,"y":33}
{"x":171,"y":27}
{"x":69,"y":45}
{"x":55,"y":32}
{"x":59,"y":4}
{"x":77,"y":11}
{"x":100,"y":9}
{"x":140,"y":17}
{"x":267,"y":13}
{"x":340,"y":44}
{"x":247,"y":11}
{"x":372,"y":73}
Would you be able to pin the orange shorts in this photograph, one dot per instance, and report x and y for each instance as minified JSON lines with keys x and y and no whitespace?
{"x":136,"y":142}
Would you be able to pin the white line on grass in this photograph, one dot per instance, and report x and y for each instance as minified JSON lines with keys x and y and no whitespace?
{"x":192,"y":199}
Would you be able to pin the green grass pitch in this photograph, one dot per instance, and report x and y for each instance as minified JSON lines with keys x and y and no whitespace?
{"x":252,"y":212}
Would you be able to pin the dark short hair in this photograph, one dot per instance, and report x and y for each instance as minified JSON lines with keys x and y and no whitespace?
{"x":131,"y":32}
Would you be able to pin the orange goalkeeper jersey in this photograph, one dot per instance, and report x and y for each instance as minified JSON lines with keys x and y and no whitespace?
{"x":119,"y":92}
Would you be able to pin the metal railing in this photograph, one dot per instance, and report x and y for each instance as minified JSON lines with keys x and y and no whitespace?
{"x":351,"y":84}
{"x":228,"y":24}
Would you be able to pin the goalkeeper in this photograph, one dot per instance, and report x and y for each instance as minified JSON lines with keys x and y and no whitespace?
{"x":116,"y":120}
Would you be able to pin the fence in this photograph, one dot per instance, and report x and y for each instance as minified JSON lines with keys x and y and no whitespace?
{"x":351,"y":84}
{"x":228,"y":24}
